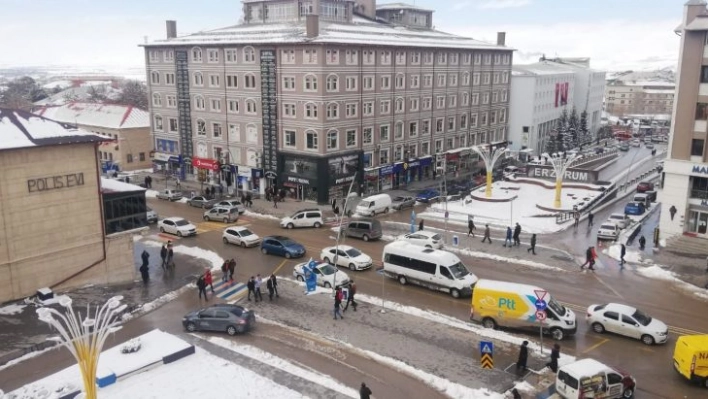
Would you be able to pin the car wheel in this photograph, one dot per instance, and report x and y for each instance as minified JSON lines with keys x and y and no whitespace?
{"x":162,"y":229}
{"x":455,"y":293}
{"x":647,"y":339}
{"x":598,"y":328}
{"x":265,"y":251}
{"x":287,"y":255}
{"x":290,"y":226}
{"x":628,"y":393}
{"x":327,"y":260}
{"x":226,"y":220}
{"x":191,"y":327}
{"x":365,"y":237}
{"x":318,"y":225}
{"x":488,"y":322}
{"x":403,"y":280}
{"x":243,"y":244}
{"x":327,"y":285}
{"x":300,"y":278}
{"x":179,"y":233}
{"x":352,"y":267}
{"x":225,"y":240}
{"x":206,"y":218}
{"x":386,"y":210}
{"x":557,"y":334}
{"x":231,"y":330}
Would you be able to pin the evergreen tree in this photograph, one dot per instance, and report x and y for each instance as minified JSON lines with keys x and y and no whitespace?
{"x":573,"y":129}
{"x":96,"y":94}
{"x":583,"y":133}
{"x":551,"y":143}
{"x":562,"y":142}
{"x":21,"y":93}
{"x":134,"y":93}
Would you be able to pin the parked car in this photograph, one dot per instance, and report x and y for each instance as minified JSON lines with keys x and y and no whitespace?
{"x":222,"y":214}
{"x":635,"y":143}
{"x":608,"y":231}
{"x":347,"y":256}
{"x":239,"y":235}
{"x":428,"y":195}
{"x":328,"y":276}
{"x":628,"y":321}
{"x":232,"y":203}
{"x":365,"y":229}
{"x":232,"y":319}
{"x":587,"y":377}
{"x":201,"y":201}
{"x":282,"y":246}
{"x":151,"y":215}
{"x":634,"y":208}
{"x":649,"y":145}
{"x":624,"y":147}
{"x":177,"y":226}
{"x":169,"y":195}
{"x":620,"y":219}
{"x":402,"y":202}
{"x":645,"y":186}
{"x":303,"y":218}
{"x":423,"y":238}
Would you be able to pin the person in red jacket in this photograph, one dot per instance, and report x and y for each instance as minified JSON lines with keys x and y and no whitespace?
{"x":208,"y":279}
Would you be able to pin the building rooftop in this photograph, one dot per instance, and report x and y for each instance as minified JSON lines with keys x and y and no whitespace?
{"x":542,"y":68}
{"x":20,"y":129}
{"x":74,"y":94}
{"x":117,"y":186}
{"x":99,"y":115}
{"x":401,"y":6}
{"x":360,"y":31}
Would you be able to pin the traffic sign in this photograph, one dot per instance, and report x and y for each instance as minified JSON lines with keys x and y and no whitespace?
{"x":486,"y":347}
{"x":541,"y":304}
{"x":487,"y":361}
{"x":540,"y":294}
{"x":540,"y":315}
{"x":455,"y":241}
{"x":487,"y":358}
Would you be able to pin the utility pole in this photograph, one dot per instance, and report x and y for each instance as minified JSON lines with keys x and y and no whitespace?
{"x":339,"y":232}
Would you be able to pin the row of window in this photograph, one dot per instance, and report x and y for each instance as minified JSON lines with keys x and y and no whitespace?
{"x":108,"y":156}
{"x":247,"y":55}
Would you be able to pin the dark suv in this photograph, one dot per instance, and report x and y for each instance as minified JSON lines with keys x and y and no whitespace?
{"x":366,"y":229}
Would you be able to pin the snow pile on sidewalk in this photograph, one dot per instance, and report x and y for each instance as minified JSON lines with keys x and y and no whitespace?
{"x":630,"y":256}
{"x":210,"y":256}
{"x":659,"y":273}
{"x":10,"y":310}
{"x":252,"y":214}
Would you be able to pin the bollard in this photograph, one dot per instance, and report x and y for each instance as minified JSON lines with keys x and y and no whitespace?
{"x":656,"y":236}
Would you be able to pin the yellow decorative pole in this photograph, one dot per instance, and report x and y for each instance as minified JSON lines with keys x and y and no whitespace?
{"x":490,"y":157}
{"x":84,"y":337}
{"x":560,"y":166}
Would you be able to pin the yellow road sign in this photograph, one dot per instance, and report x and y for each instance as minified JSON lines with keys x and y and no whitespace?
{"x":487,"y":361}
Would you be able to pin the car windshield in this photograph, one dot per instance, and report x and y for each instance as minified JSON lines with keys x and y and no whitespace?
{"x":641,"y":318}
{"x":181,"y":222}
{"x":556,"y":307}
{"x":365,"y":204}
{"x":607,"y":227}
{"x":459,"y":271}
{"x":436,"y":237}
{"x":353,"y":252}
{"x":399,"y":199}
{"x":288,"y":243}
{"x":327,"y":269}
{"x":246,"y":233}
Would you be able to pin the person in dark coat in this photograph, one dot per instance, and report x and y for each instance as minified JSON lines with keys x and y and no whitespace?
{"x":163,"y":256}
{"x":421,"y":225}
{"x":225,"y":271}
{"x":588,"y":260}
{"x":642,"y":242}
{"x":271,"y":289}
{"x":232,"y":269}
{"x":170,"y":255}
{"x":364,"y":392}
{"x":144,"y":267}
{"x":508,"y":237}
{"x":487,"y":234}
{"x":350,"y":298}
{"x":591,"y":217}
{"x":251,"y":285}
{"x":249,"y":200}
{"x":275,"y":284}
{"x":555,"y":355}
{"x":334,"y":203}
{"x":517,"y":235}
{"x":623,"y":252}
{"x":532,"y":248}
{"x":471,"y":227}
{"x":201,"y":286}
{"x":523,"y":356}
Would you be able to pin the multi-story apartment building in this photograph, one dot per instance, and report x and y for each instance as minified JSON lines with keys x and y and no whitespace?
{"x":308,"y":94}
{"x":684,"y":196}
{"x":640,"y":93}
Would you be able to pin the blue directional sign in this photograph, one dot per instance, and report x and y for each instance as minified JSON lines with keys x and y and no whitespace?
{"x":486,"y":359}
{"x":541,"y":304}
{"x":486,"y":347}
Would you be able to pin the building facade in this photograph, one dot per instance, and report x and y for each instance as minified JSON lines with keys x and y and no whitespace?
{"x":685,"y":180}
{"x":53,"y":230}
{"x":625,"y":98}
{"x":312,"y":95}
{"x":127,"y":126}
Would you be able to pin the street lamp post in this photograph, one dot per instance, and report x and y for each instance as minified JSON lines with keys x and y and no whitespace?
{"x":490,"y":157}
{"x":560,"y":166}
{"x":339,"y":232}
{"x":84,"y":334}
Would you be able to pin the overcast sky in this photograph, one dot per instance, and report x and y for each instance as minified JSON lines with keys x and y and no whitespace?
{"x":616,"y":34}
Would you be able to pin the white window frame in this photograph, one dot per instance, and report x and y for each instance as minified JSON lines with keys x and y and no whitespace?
{"x":398,"y":130}
{"x":249,"y":55}
{"x":414,"y":104}
{"x":311,"y":111}
{"x":198,"y":79}
{"x":385,"y":57}
{"x":399,"y":105}
{"x":199,"y":103}
{"x":309,"y":80}
{"x":171,"y":100}
{"x":215,"y":104}
{"x":169,"y":78}
{"x":212,"y":55}
{"x":332,"y":56}
{"x":352,"y":83}
{"x":196,"y":54}
{"x":172,"y":125}
{"x":289,"y":83}
{"x":384,"y":107}
{"x":351,"y":133}
{"x":201,"y":123}
{"x":387,"y":130}
{"x":288,"y":137}
{"x":231,"y":56}
{"x":442,"y":58}
{"x":453,"y":79}
{"x":369,"y":57}
{"x":156,"y":100}
{"x":214,"y":80}
{"x":158,"y":123}
{"x":332,"y":140}
{"x":288,"y":56}
{"x":368,"y":108}
{"x":155,"y":77}
{"x":413,"y":129}
{"x":232,"y":81}
{"x":168,"y":55}
{"x":251,"y":107}
{"x":309,"y":56}
{"x":367,"y":135}
{"x":400,"y":58}
{"x":351,"y":110}
{"x":400,"y":81}
{"x":368,"y":82}
{"x":289,"y":110}
{"x":352,"y":57}
{"x":332,"y":111}
{"x":249,"y":81}
{"x":312,"y":137}
{"x":441,"y":80}
{"x":217,"y":131}
{"x":385,"y":82}
{"x":465,"y":98}
{"x":415,"y":58}
{"x":415,"y":81}
{"x":233,"y":106}
{"x":332,"y":83}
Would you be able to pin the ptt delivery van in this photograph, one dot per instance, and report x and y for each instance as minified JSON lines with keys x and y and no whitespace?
{"x":504,"y":304}
{"x":691,"y":358}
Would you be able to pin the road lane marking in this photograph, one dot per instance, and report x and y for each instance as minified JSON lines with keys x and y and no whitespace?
{"x":592,"y":348}
{"x":280,"y":266}
{"x":608,"y":286}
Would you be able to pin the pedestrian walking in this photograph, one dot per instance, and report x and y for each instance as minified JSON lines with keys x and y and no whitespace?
{"x":642,"y":242}
{"x":225,"y":271}
{"x":251,"y":285}
{"x":149,"y":181}
{"x":271,"y":289}
{"x":257,"y":288}
{"x":275,"y":284}
{"x":350,"y":297}
{"x":221,"y":191}
{"x":178,"y":184}
{"x":672,"y":211}
{"x":589,"y":259}
{"x":515,"y":394}
{"x":249,"y":200}
{"x":365,"y":392}
{"x":145,"y":266}
{"x":555,"y":355}
{"x":517,"y":235}
{"x":532,"y":248}
{"x":334,"y":203}
{"x":470,"y":227}
{"x":591,"y":217}
{"x":421,"y":225}
{"x":523,"y":356}
{"x":508,"y":236}
{"x":232,"y":269}
{"x":275,"y":201}
{"x":487,"y":234}
{"x":338,"y":303}
{"x":147,"y":185}
{"x":163,"y":256}
{"x":209,"y":279}
{"x":170,"y":255}
{"x":623,"y":252}
{"x":576,"y":217}
{"x":201,"y":286}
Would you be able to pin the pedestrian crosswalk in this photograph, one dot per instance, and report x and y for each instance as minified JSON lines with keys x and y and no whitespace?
{"x":228,"y":291}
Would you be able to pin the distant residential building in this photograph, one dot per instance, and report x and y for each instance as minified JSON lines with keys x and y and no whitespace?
{"x":306,"y":97}
{"x":541,"y":91}
{"x":128,"y":126}
{"x":640,"y":93}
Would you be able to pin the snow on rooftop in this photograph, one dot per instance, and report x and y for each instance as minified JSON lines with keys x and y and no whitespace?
{"x":99,"y":115}
{"x":400,"y":6}
{"x":20,"y":129}
{"x":544,"y":68}
{"x":62,"y":84}
{"x":80,"y":93}
{"x":112,"y":185}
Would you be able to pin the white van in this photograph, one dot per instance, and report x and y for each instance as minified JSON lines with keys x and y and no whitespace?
{"x":505,"y":304}
{"x":642,"y":199}
{"x":588,"y":378}
{"x":431,"y":268}
{"x":370,"y":206}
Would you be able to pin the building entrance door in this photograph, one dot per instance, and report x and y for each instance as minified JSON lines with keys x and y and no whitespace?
{"x":698,"y":222}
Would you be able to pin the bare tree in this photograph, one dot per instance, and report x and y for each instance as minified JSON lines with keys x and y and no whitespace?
{"x":134,"y":93}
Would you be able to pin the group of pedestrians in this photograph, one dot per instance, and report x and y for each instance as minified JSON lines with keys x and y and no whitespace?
{"x":254,"y":287}
{"x":522,"y":361}
{"x":339,"y":297}
{"x":227,"y":270}
{"x":167,"y":255}
{"x":512,"y":237}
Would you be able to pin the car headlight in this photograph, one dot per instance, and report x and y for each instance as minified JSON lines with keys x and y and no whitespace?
{"x":662,"y":334}
{"x":569,"y":322}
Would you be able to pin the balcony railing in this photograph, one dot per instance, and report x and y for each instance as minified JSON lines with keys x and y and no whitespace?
{"x":700,"y":194}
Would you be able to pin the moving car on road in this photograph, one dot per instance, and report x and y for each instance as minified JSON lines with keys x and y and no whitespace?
{"x":370,"y":206}
{"x":634,"y":208}
{"x":402,"y":202}
{"x":620,"y":219}
{"x":328,"y":276}
{"x":222,"y":214}
{"x":282,"y":246}
{"x":177,"y":226}
{"x":628,"y":321}
{"x":645,"y":186}
{"x":423,"y":238}
{"x":232,"y":319}
{"x":588,"y":378}
{"x":428,"y":195}
{"x":624,"y":147}
{"x":691,"y":358}
{"x":200,"y":201}
{"x":239,"y":235}
{"x":169,"y":195}
{"x":347,"y":256}
{"x":365,"y":229}
{"x":303,"y":218}
{"x":608,"y":231}
{"x":151,"y":215}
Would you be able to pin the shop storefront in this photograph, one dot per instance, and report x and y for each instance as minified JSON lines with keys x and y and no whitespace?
{"x":165,"y":163}
{"x":207,"y":170}
{"x":318,"y":179}
{"x":371,"y":180}
{"x":299,"y":176}
{"x":697,"y":219}
{"x":342,"y":171}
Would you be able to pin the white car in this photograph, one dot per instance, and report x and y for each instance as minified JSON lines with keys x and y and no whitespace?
{"x":626,"y":320}
{"x":328,"y":276}
{"x":620,"y":219}
{"x":303,"y":218}
{"x":240,"y":235}
{"x":347,"y":256}
{"x":423,"y":238}
{"x":177,"y":226}
{"x":608,"y":231}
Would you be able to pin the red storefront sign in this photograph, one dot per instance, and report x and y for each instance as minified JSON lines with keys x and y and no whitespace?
{"x":452,"y":156}
{"x":204,"y":163}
